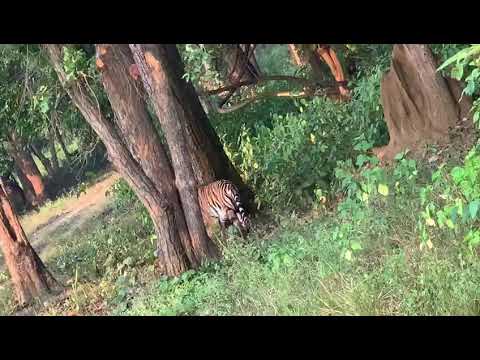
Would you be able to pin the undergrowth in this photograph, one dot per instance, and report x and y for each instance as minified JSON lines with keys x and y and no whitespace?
{"x":336,"y":235}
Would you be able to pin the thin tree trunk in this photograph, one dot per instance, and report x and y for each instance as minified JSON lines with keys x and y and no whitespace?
{"x":295,"y":55}
{"x":327,"y":53}
{"x":43,"y":159}
{"x":153,"y":65}
{"x":24,"y":161}
{"x":314,"y":61}
{"x":30,"y":277}
{"x":59,"y":136}
{"x":171,"y":257}
{"x":209,"y":160}
{"x":126,"y":96}
{"x":53,"y":151}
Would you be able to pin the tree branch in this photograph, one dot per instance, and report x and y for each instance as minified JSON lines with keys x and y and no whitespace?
{"x":263,"y":79}
{"x":288,"y":94}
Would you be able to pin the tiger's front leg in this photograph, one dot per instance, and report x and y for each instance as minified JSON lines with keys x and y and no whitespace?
{"x":223,"y":228}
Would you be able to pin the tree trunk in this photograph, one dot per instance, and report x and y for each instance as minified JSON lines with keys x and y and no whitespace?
{"x":42,"y":158}
{"x":26,"y":188}
{"x":328,"y":55}
{"x":25,"y":163}
{"x":418,"y":104}
{"x":14,"y":192}
{"x":314,"y":55}
{"x":59,"y":136}
{"x":313,"y":60}
{"x":30,"y":277}
{"x":295,"y":55}
{"x":209,"y":160}
{"x":239,"y":65}
{"x":171,"y":257}
{"x":53,"y":151}
{"x":156,"y":72}
{"x":127,"y":99}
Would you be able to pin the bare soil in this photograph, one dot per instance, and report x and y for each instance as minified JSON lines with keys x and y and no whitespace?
{"x":70,"y":217}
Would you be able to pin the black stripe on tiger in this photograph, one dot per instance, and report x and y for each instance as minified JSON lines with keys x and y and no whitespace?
{"x":221,"y":200}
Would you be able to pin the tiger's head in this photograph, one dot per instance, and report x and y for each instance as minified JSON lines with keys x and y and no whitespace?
{"x":244,"y":221}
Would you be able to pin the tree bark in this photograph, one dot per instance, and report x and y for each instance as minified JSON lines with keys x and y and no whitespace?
{"x":25,"y":163}
{"x":14,"y":192}
{"x":295,"y":55}
{"x":30,"y":277}
{"x":126,"y":96}
{"x":209,"y":160}
{"x":156,"y":73}
{"x":328,"y":55}
{"x":239,"y":66}
{"x":26,"y":187}
{"x":171,"y":257}
{"x":313,"y":60}
{"x":418,"y":104}
{"x":314,"y":55}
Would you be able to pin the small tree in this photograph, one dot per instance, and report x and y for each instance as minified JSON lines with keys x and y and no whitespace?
{"x":30,"y":277}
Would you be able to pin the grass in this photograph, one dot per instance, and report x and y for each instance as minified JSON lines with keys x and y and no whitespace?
{"x":51,"y":209}
{"x":361,"y":258}
{"x":300,"y":272}
{"x":293,"y":265}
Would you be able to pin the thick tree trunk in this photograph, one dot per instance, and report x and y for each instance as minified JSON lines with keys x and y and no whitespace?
{"x":42,"y":158}
{"x":239,"y":65}
{"x":132,"y":118}
{"x":14,"y":192}
{"x":418,"y":104}
{"x":156,"y":72}
{"x":171,"y":257}
{"x":209,"y":160}
{"x":30,"y":277}
{"x":24,"y":161}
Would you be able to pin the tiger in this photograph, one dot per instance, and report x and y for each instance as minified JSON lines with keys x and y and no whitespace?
{"x":220,"y":200}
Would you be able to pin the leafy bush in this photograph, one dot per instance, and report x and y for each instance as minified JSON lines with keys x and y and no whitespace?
{"x":452,"y":203}
{"x":289,"y":158}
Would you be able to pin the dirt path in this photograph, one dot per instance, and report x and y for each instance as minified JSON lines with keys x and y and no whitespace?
{"x":67,"y":218}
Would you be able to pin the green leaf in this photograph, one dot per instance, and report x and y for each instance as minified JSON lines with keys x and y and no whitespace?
{"x":348,"y":255}
{"x":457,"y":72}
{"x":449,"y":223}
{"x":355,"y":245}
{"x":44,"y":106}
{"x":473,"y":208}
{"x":362,"y":159}
{"x":476,"y":116}
{"x":383,"y":189}
{"x":463,"y":54}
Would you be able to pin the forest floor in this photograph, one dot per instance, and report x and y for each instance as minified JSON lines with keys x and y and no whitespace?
{"x":65,"y":216}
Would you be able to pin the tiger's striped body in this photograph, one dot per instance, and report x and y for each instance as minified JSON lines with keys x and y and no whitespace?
{"x":220,"y":202}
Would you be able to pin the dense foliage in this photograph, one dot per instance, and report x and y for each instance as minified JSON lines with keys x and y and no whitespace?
{"x":336,"y":232}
